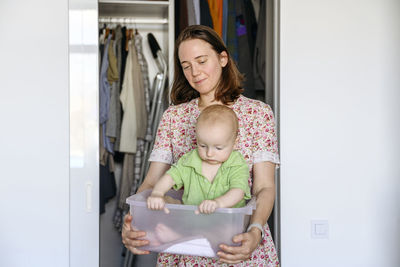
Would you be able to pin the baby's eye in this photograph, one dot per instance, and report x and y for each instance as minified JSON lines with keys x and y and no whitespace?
{"x":202,"y":145}
{"x":219,"y":148}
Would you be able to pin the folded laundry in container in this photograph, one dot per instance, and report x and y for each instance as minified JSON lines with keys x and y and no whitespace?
{"x":182,"y":231}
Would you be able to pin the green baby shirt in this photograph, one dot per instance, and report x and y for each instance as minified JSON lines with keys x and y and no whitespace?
{"x":233,"y":173}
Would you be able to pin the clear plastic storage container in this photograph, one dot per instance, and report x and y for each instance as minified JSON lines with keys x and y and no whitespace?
{"x":182,"y":231}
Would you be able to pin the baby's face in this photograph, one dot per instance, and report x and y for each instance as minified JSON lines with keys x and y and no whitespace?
{"x":215,"y":143}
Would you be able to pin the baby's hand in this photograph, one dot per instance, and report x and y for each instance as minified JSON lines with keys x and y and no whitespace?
{"x":156,"y":203}
{"x":207,"y":206}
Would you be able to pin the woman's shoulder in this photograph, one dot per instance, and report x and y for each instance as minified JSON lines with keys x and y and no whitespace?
{"x":251,"y":106}
{"x":184,"y":108}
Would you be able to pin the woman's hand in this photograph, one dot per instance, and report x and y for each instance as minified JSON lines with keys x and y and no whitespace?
{"x":130,"y":237}
{"x":250,"y":242}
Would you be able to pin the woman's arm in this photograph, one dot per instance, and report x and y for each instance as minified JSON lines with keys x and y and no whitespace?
{"x":264,"y":190}
{"x":156,"y":170}
{"x":129,"y":234}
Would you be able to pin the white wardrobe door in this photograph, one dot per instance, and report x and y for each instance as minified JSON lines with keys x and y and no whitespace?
{"x":34,"y":114}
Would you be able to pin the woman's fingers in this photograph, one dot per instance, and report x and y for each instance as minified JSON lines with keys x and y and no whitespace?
{"x":130,"y":237}
{"x":137,"y":251}
{"x":127,"y":219}
{"x":235,"y":254}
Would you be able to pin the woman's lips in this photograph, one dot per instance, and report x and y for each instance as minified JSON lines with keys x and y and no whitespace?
{"x":200,"y":81}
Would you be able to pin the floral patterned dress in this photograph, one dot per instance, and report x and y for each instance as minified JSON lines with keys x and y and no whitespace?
{"x":257,"y":143}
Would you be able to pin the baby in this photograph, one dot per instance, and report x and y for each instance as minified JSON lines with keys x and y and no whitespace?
{"x":212,"y":175}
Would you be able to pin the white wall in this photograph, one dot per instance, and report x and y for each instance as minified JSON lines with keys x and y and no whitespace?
{"x":340,"y":130}
{"x":34,"y":140}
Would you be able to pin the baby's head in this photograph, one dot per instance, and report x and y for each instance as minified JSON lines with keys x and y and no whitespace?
{"x":216,"y":132}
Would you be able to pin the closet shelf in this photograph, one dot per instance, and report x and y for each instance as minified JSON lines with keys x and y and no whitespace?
{"x":147,"y":10}
{"x":151,"y":3}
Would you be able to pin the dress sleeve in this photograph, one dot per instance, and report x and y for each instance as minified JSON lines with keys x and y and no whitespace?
{"x":265,"y":143}
{"x":162,"y":149}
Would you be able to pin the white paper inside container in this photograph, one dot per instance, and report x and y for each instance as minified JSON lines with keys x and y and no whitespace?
{"x":140,"y":200}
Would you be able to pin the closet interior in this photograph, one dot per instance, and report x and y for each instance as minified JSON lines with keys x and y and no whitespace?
{"x":134,"y":26}
{"x":128,"y":31}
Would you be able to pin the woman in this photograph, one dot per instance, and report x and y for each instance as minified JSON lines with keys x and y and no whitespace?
{"x":205,"y":75}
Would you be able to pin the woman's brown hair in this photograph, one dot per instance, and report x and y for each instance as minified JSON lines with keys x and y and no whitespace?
{"x":230,"y":84}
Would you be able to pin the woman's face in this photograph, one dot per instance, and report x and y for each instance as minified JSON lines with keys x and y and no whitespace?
{"x":201,"y":65}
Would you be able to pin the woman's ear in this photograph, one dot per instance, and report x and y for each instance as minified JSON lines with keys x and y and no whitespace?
{"x":223,"y":58}
{"x":236,"y":139}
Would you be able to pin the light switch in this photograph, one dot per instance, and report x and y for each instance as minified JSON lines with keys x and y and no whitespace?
{"x":320,"y":229}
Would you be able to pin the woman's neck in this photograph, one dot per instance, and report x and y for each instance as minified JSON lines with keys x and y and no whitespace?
{"x":207,"y":100}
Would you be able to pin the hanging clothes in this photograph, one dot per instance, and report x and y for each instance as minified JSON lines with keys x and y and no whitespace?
{"x":139,"y":92}
{"x":225,"y":11}
{"x":196,"y":6}
{"x":216,"y":9}
{"x":148,"y":137}
{"x":205,"y":16}
{"x":143,"y":69}
{"x":259,"y":56}
{"x":113,"y":129}
{"x":231,"y":38}
{"x":127,"y":179}
{"x":181,"y":12}
{"x":256,"y":7}
{"x":118,"y":156}
{"x":192,"y":20}
{"x":108,"y":187}
{"x":251,"y":25}
{"x":132,"y":99}
{"x":244,"y":57}
{"x":112,"y":77}
{"x":105,"y":97}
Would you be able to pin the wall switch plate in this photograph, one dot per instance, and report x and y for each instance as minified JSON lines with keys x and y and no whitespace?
{"x":320,"y":229}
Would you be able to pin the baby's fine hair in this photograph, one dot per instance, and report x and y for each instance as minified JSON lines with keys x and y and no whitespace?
{"x":219,"y":114}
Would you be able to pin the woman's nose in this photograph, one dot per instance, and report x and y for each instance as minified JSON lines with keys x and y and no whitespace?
{"x":195,"y":71}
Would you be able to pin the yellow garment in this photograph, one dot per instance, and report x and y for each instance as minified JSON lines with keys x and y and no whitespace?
{"x":112,"y":71}
{"x":216,"y":7}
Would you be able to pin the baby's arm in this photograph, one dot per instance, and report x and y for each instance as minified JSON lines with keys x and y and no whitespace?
{"x":229,"y":199}
{"x":156,"y":200}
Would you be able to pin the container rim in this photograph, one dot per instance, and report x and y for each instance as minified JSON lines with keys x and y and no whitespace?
{"x":139,"y":200}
